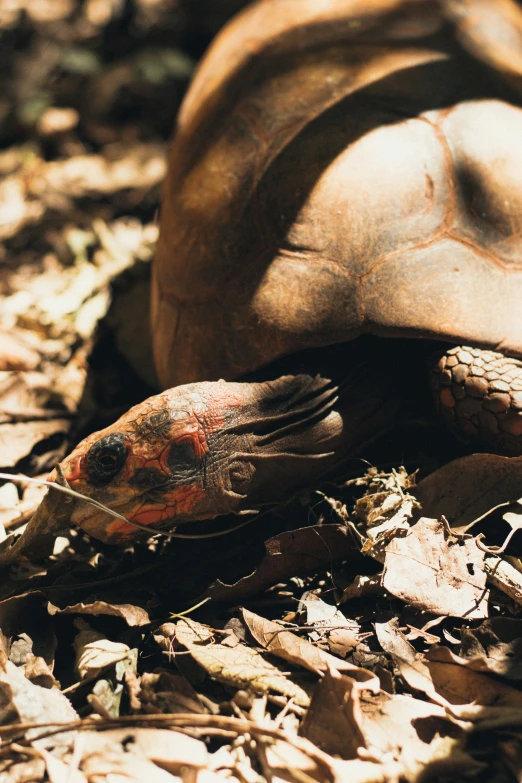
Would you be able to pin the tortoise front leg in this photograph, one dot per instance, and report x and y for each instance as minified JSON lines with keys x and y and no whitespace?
{"x":479,"y":393}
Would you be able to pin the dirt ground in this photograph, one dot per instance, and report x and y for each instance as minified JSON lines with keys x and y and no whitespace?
{"x":368,"y":631}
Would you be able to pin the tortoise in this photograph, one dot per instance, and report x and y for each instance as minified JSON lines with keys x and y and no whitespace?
{"x":339,"y":168}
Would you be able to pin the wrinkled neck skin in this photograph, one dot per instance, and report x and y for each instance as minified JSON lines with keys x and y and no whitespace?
{"x":206,"y":449}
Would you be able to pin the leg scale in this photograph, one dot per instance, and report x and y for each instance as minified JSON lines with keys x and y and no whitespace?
{"x":479,"y":393}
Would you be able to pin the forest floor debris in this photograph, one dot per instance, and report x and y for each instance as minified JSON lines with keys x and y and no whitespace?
{"x":367,"y":632}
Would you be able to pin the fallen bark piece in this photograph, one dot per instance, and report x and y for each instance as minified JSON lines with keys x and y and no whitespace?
{"x":437,"y":571}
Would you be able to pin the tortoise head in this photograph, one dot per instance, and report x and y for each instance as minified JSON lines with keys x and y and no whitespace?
{"x":201,"y":450}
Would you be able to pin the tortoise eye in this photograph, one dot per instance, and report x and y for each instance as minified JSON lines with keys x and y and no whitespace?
{"x":105,"y":459}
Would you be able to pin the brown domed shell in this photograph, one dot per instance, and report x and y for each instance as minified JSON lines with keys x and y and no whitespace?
{"x":343,"y":167}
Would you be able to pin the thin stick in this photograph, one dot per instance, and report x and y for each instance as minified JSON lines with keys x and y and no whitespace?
{"x":147,"y":528}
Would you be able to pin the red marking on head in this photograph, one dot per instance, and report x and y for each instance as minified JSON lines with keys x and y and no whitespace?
{"x":222,"y":397}
{"x":74,"y":471}
{"x":177,"y":503}
{"x":158,"y":461}
{"x":196,"y":440}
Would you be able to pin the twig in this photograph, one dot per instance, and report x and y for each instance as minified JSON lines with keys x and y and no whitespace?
{"x":505,"y":577}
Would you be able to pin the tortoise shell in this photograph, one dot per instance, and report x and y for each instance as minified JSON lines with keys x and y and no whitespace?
{"x":338,"y":168}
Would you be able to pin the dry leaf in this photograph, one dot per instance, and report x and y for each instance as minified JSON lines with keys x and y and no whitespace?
{"x":38,"y":539}
{"x":287,"y":645}
{"x":283,"y":758}
{"x":16,"y":210}
{"x":133,"y":615}
{"x":293,"y":552}
{"x":386,"y":507}
{"x":142,"y":166}
{"x":393,"y":641}
{"x":494,"y":646}
{"x":456,"y":682}
{"x":357,"y":771}
{"x":343,"y":719}
{"x":446,"y":679}
{"x":392,"y":730}
{"x":24,"y":617}
{"x":469,"y":487}
{"x":171,"y":750}
{"x":164,"y":636}
{"x":15,"y":353}
{"x":342,"y":635}
{"x":240,"y":666}
{"x":32,"y":771}
{"x":26,"y":395}
{"x":94,"y":653}
{"x":363,"y":586}
{"x":21,"y":510}
{"x":436,"y":571}
{"x":410,"y":664}
{"x":168,"y":693}
{"x":421,"y":633}
{"x":109,"y":763}
{"x":59,"y":772}
{"x":17,"y":440}
{"x":37,"y":671}
{"x":23,"y":702}
{"x":506,"y":575}
{"x":385,"y":514}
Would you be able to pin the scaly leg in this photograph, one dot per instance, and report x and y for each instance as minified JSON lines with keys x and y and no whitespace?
{"x":479,"y":393}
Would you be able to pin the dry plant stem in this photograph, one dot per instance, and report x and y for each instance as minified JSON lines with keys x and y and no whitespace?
{"x":496,"y":550}
{"x":505,"y":577}
{"x":62,"y":486}
{"x":38,"y":539}
{"x":287,"y":707}
{"x":191,"y":609}
{"x":182,"y":720}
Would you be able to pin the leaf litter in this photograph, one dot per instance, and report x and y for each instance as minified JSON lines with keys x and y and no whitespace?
{"x":367,"y":632}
